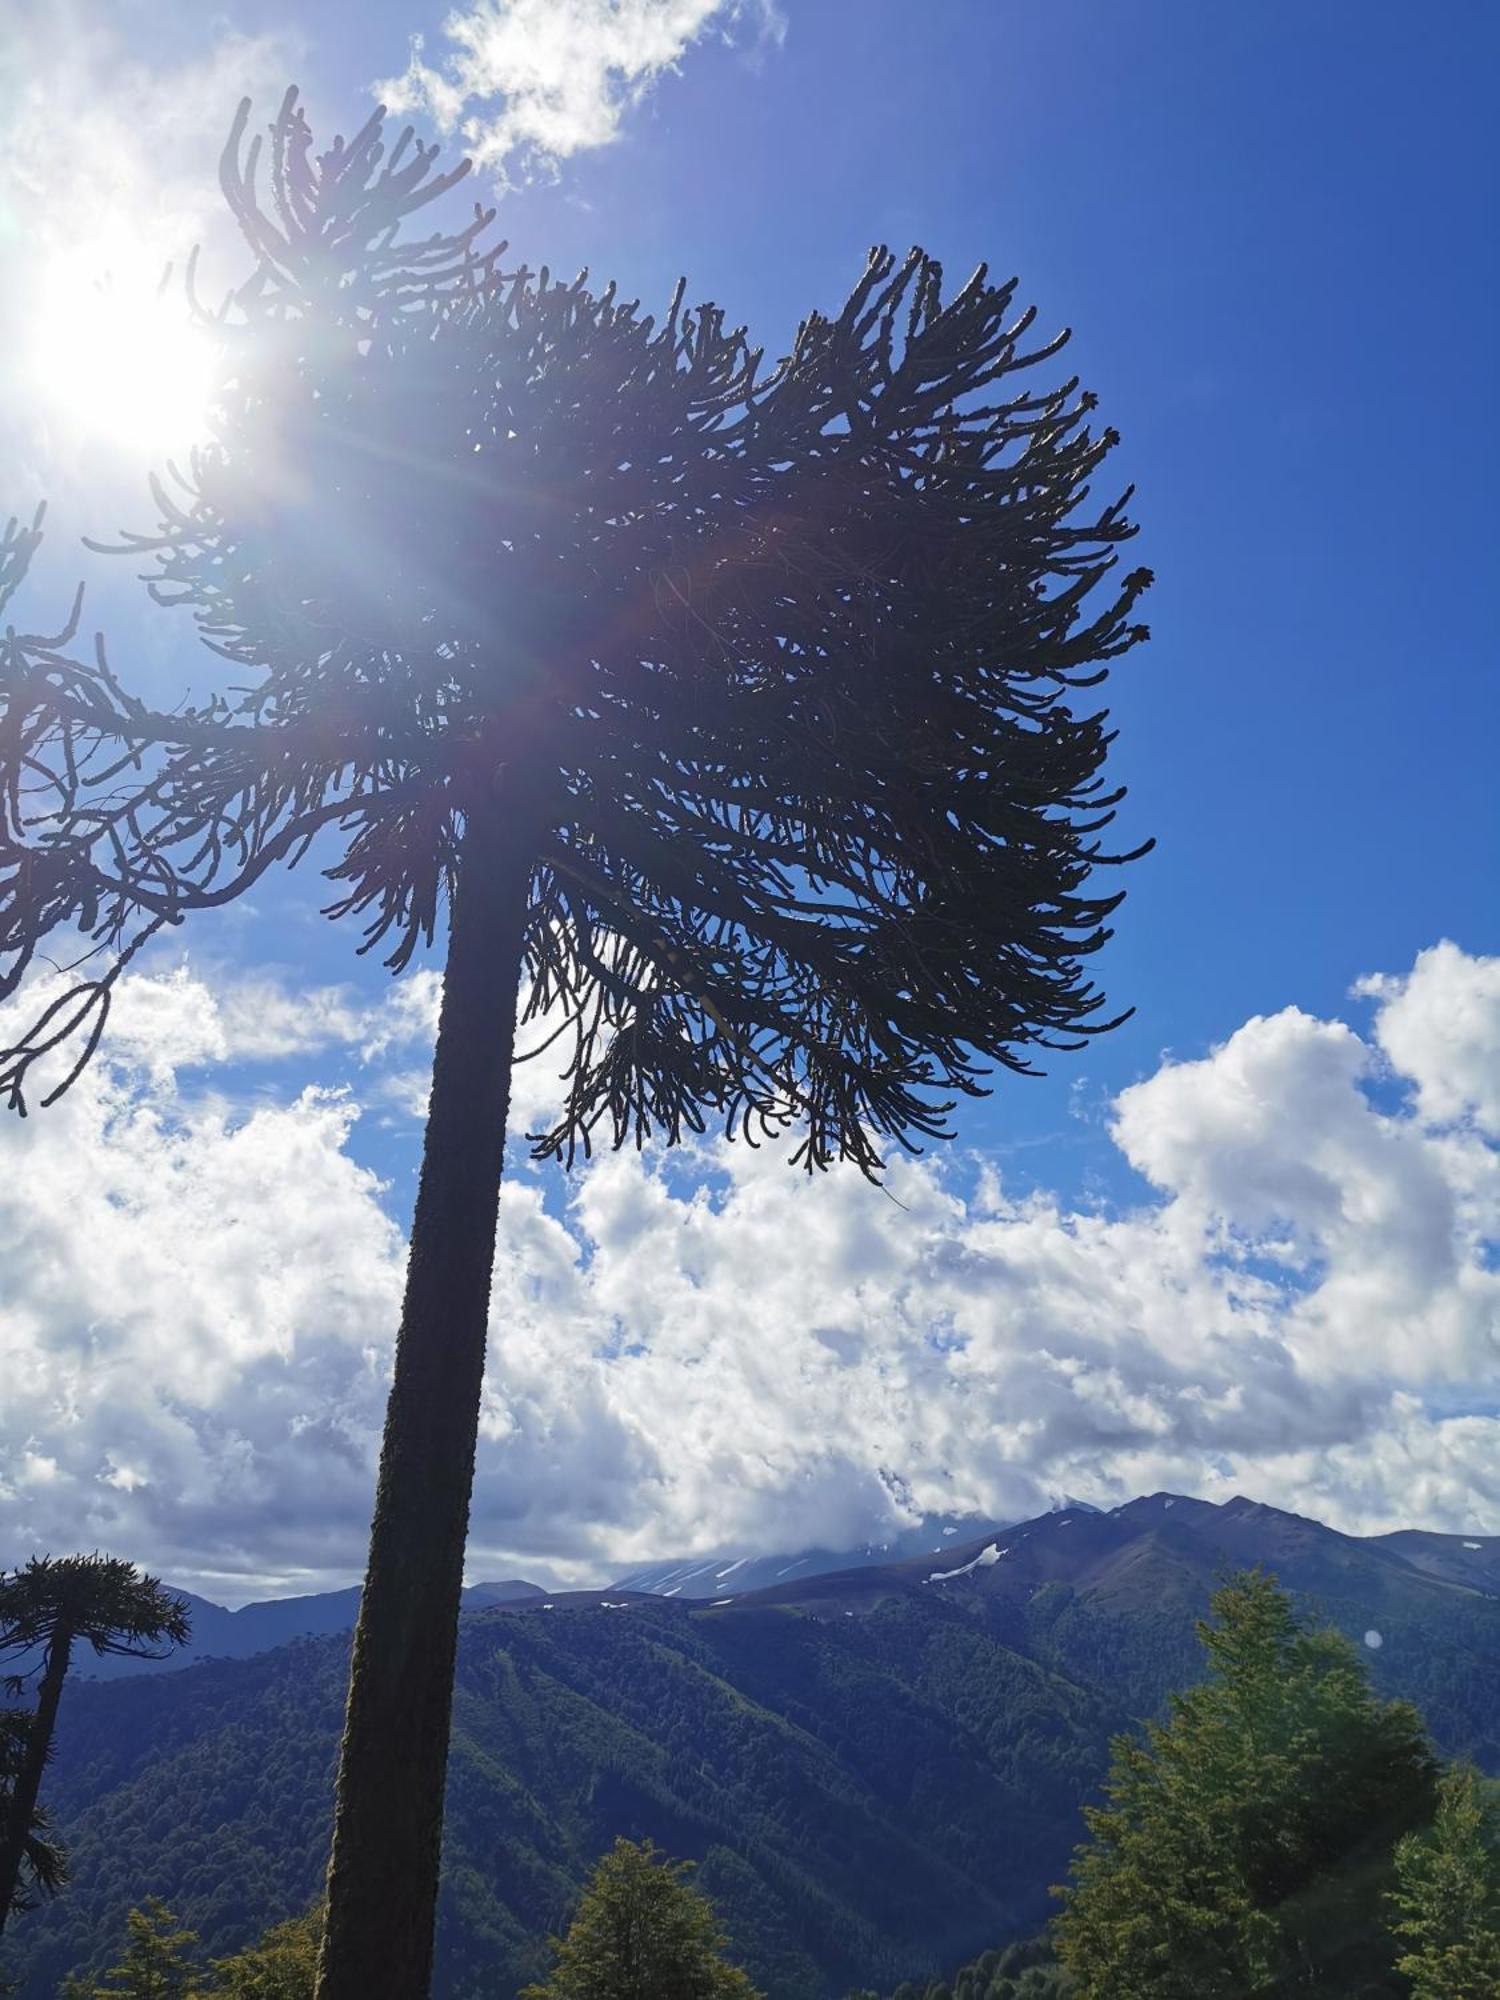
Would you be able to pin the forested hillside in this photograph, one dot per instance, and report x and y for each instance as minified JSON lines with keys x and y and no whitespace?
{"x":859,"y":1793}
{"x":879,"y":1773}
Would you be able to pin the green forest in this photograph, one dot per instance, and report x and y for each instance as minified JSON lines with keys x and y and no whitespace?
{"x":1282,"y":1829}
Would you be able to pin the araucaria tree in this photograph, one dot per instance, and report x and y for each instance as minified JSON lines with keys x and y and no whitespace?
{"x":730,"y":711}
{"x":46,"y":1609}
{"x":44,"y":1863}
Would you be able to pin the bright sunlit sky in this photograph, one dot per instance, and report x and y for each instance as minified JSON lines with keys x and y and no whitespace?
{"x":1246,"y":1243}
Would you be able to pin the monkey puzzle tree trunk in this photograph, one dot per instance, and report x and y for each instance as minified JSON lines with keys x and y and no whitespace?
{"x":387,"y":1836}
{"x":28,"y":1785}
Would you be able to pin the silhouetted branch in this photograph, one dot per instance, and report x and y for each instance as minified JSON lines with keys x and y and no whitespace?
{"x":779,"y":665}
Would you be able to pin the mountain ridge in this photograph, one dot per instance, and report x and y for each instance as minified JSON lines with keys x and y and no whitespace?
{"x":261,"y":1625}
{"x":674,"y":1576}
{"x":218,"y":1633}
{"x":878,"y":1771}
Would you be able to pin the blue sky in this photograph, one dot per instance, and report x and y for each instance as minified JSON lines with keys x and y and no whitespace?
{"x":1271,"y":230}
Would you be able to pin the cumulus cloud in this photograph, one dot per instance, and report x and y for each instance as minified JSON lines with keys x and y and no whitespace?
{"x":706,"y":1350}
{"x":528,"y":83}
{"x":196,"y":1294}
{"x":1439,"y":1026}
{"x":182,"y":1020}
{"x":196,"y":1309}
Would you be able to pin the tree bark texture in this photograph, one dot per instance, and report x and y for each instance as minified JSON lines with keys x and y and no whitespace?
{"x":387,"y":1835}
{"x":29,"y":1778}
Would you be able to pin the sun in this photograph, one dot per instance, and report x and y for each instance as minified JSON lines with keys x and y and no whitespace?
{"x":116,"y":357}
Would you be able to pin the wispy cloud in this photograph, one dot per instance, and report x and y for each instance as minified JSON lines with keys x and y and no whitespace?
{"x":528,"y":83}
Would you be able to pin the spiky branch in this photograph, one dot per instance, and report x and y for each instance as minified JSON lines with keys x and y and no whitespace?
{"x":790,"y":655}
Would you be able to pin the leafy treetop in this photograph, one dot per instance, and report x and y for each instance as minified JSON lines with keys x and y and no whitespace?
{"x":642,"y":1932}
{"x":1248,"y":1838}
{"x":1446,"y":1899}
{"x":159,"y":1959}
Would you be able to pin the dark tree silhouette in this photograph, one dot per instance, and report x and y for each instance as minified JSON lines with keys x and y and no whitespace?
{"x":731,"y":710}
{"x":46,"y":1609}
{"x":44,"y":1862}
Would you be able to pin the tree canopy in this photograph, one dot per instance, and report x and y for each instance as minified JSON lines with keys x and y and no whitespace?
{"x":1446,"y":1900}
{"x":1023,"y":1970}
{"x":158,"y":1961}
{"x":47,"y":1607}
{"x":780,"y":665}
{"x":642,"y":1932}
{"x":100,"y":1601}
{"x":282,"y":1965}
{"x":1248,"y":1840}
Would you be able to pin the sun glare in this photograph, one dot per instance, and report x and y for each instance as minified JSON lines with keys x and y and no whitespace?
{"x":117,"y":358}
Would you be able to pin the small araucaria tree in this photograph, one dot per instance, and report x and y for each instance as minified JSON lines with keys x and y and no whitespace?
{"x":44,"y":1862}
{"x":731,"y":712}
{"x":47,"y":1608}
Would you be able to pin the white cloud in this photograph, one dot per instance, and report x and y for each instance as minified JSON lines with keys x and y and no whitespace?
{"x":259,"y":1017}
{"x":183,"y":1019}
{"x":1440,"y":1026}
{"x":528,"y":83}
{"x":1271,"y":1149}
{"x":185,"y":1289}
{"x":706,"y":1350}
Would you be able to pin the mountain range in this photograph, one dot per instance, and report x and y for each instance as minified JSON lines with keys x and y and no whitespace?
{"x":221,"y":1634}
{"x":878,"y":1768}
{"x":733,"y":1575}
